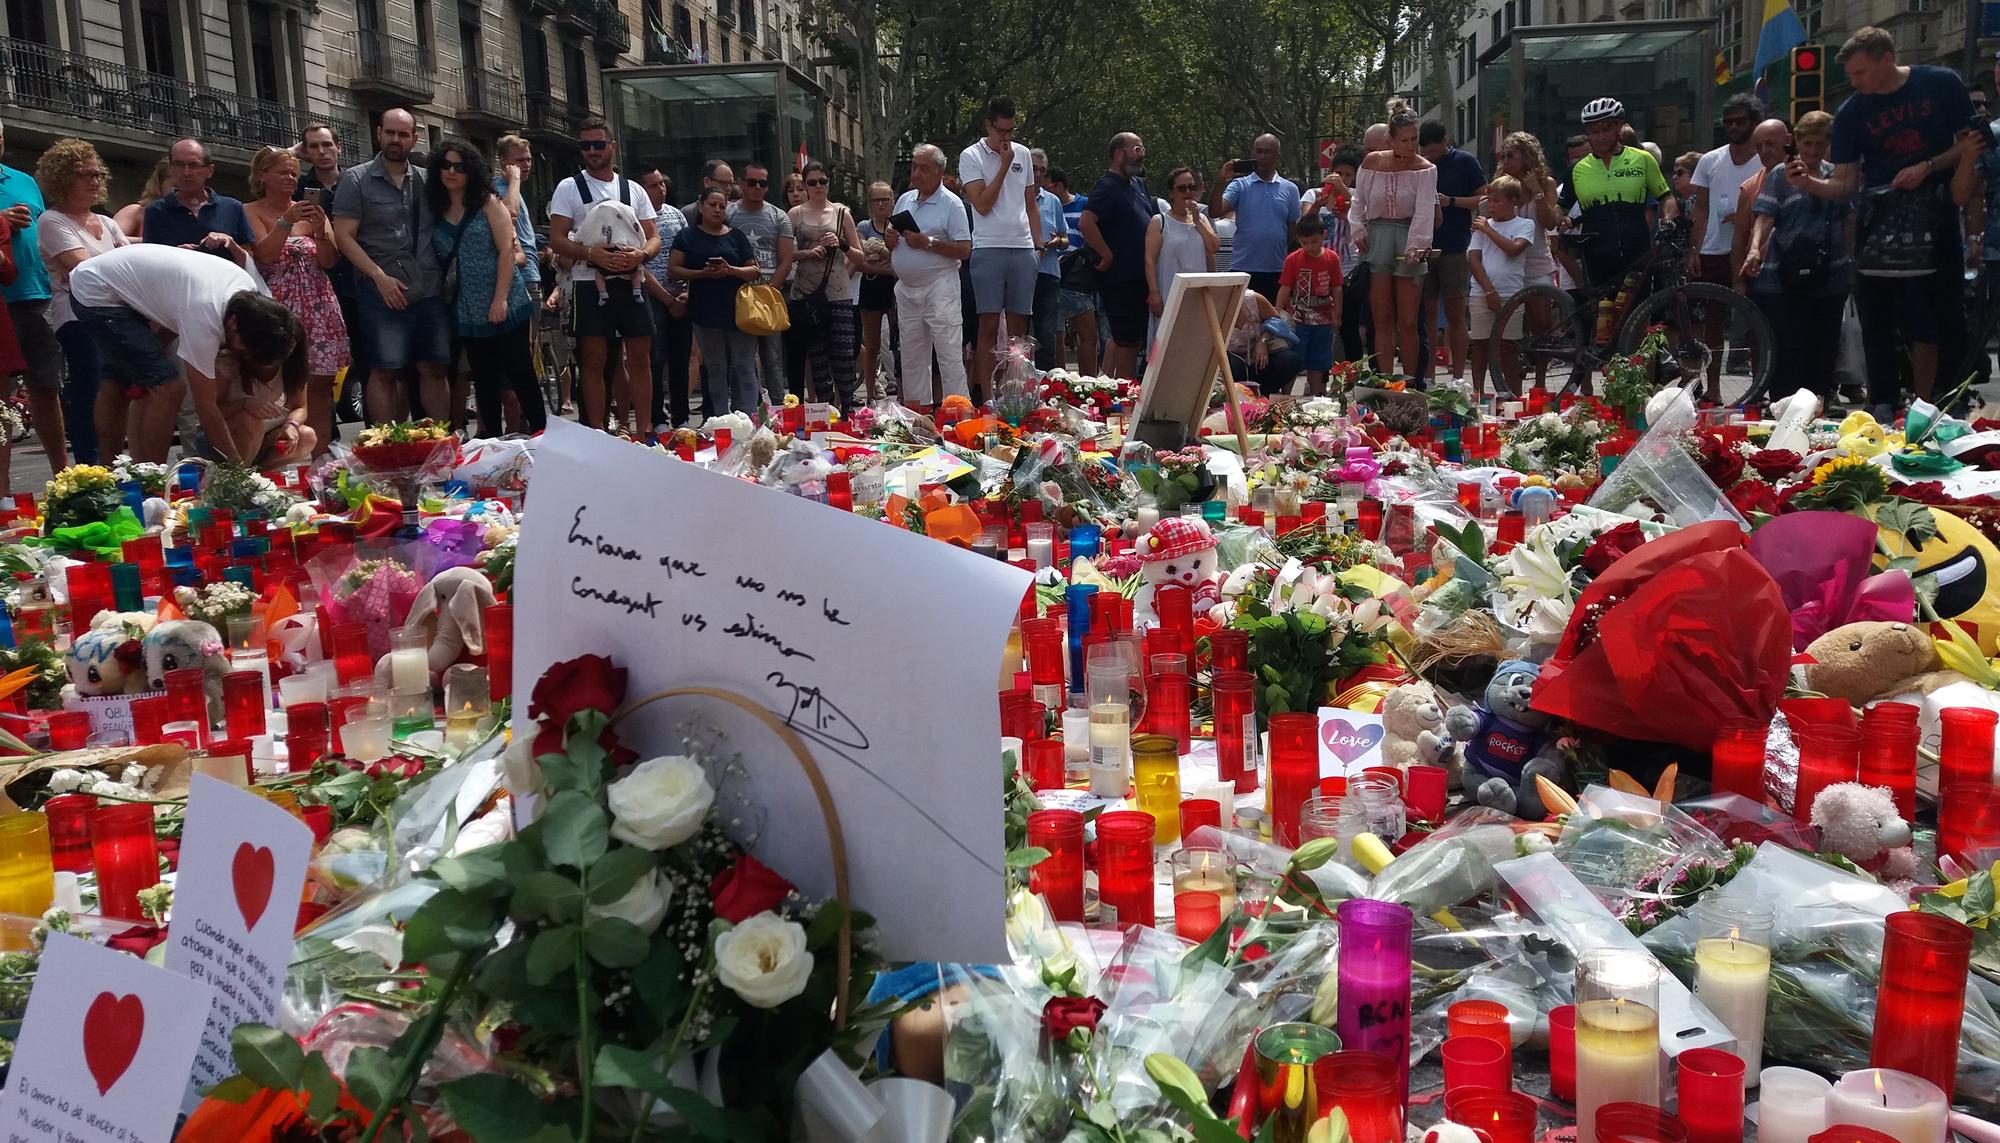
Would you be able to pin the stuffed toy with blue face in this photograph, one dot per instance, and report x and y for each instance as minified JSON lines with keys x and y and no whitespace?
{"x":1506,"y":744}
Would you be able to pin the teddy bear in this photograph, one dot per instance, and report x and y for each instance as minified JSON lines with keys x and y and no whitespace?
{"x":451,"y":610}
{"x":1863,"y":661}
{"x":1861,"y":824}
{"x":179,"y":643}
{"x":1180,"y":550}
{"x":1506,"y":744}
{"x":1413,"y":727}
{"x":109,"y":658}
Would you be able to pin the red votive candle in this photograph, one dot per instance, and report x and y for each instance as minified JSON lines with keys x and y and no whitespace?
{"x":1044,"y":764}
{"x":1059,"y":876}
{"x":499,"y":630}
{"x":187,"y":698}
{"x":1510,"y":529}
{"x":125,"y":855}
{"x":69,"y":831}
{"x":1738,"y":758}
{"x":1174,"y":605}
{"x":1044,"y":641}
{"x":1828,"y":755}
{"x":149,"y":714}
{"x":1562,"y":1053}
{"x":69,"y":730}
{"x":1196,"y":813}
{"x":243,"y":704}
{"x":1197,"y":914}
{"x":320,"y":820}
{"x":1485,"y":1019}
{"x":1235,"y":729}
{"x":1711,"y":1095}
{"x":1638,"y":1123}
{"x":1167,"y":702}
{"x":1125,"y":868}
{"x":1425,"y":789}
{"x":1920,"y":1000}
{"x":1475,"y":1061}
{"x":1965,"y":745}
{"x":1229,"y":649}
{"x":1889,"y":739}
{"x":1015,"y":717}
{"x":351,"y":660}
{"x":1368,"y":518}
{"x":1365,"y":1086}
{"x":305,"y":734}
{"x":1294,"y":763}
{"x":1968,"y":821}
{"x":336,"y":715}
{"x":1850,"y":1133}
{"x":1504,"y":1116}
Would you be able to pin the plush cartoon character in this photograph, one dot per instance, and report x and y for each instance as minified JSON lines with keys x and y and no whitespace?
{"x":1967,"y":570}
{"x":451,"y":611}
{"x":1861,"y":824}
{"x":109,"y":658}
{"x":180,"y":643}
{"x":1505,"y":744}
{"x":1181,"y":550}
{"x":1864,"y":661}
{"x":1862,"y":435}
{"x":1413,"y":727}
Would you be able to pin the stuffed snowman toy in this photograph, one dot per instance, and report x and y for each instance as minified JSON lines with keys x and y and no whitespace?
{"x":1180,"y":550}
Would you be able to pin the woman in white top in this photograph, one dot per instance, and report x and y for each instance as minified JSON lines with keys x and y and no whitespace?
{"x":1394,"y":211}
{"x":1178,"y":241}
{"x":72,"y":177}
{"x":829,"y":254}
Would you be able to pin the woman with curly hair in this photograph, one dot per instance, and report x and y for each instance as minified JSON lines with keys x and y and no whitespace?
{"x":1521,"y":159}
{"x":72,"y":177}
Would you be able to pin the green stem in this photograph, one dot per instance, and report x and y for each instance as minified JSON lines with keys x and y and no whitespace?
{"x":673,"y":1051}
{"x":583,"y":1050}
{"x":412,"y":1065}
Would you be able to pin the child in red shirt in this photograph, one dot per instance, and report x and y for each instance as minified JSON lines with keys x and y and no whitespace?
{"x":1309,"y":294}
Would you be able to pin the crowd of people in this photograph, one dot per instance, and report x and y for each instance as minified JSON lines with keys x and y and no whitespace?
{"x":436,"y":287}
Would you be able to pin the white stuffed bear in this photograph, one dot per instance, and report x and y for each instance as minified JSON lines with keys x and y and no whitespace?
{"x":1180,"y":550}
{"x":1413,"y":726}
{"x":1861,"y":824}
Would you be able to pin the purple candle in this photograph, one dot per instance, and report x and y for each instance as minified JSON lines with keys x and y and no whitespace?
{"x":1374,"y":1009}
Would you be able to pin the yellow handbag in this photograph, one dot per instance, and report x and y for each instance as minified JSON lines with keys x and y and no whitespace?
{"x":760,"y":310}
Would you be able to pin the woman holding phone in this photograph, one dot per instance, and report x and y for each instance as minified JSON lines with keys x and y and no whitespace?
{"x":294,"y":249}
{"x":715,"y":260}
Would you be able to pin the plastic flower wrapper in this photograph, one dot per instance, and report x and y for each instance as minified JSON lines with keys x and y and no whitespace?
{"x":1822,"y":563}
{"x":1156,"y":1000}
{"x":1826,"y":951}
{"x":1071,"y":487}
{"x":1734,"y":818}
{"x":1450,"y":867}
{"x":1630,"y":849}
{"x":1658,"y":478}
{"x":373,"y":584}
{"x":458,"y":542}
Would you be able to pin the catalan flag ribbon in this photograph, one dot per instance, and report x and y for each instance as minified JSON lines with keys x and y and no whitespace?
{"x":1722,"y":72}
{"x":1781,"y":32}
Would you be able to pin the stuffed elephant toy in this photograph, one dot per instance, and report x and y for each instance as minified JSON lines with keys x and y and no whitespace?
{"x":451,"y":610}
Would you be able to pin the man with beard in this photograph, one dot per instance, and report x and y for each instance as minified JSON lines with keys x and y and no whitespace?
{"x":1718,"y":184}
{"x":383,"y":228}
{"x":617,"y":310}
{"x":1114,"y":227}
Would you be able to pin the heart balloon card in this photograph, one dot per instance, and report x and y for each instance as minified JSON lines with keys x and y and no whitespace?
{"x":1349,"y":742}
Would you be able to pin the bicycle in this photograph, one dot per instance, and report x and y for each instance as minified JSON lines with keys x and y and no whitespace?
{"x":1569,"y":335}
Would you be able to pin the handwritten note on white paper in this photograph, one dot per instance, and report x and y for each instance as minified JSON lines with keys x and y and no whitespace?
{"x":232,"y":926}
{"x":104,"y":1050}
{"x":833,"y":623}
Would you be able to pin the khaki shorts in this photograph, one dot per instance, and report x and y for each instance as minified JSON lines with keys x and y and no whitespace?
{"x":1479,"y":319}
{"x":1450,"y":276}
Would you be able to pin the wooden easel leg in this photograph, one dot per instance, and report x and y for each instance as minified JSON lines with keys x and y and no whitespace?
{"x":1221,"y":353}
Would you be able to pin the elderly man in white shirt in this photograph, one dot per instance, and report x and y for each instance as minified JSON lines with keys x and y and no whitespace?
{"x":926,"y":261}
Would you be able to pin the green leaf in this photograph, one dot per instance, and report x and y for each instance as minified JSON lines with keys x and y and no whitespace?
{"x":480,"y":873}
{"x":494,"y":1108}
{"x":321,"y":1088}
{"x":1979,"y":894}
{"x":371,"y":1076}
{"x":575,"y":830}
{"x":614,"y":942}
{"x":547,"y":894}
{"x":620,"y":1066}
{"x":825,"y":924}
{"x":659,"y":984}
{"x":1913,"y":521}
{"x":268,"y":1056}
{"x":236,"y":1089}
{"x":586,"y":756}
{"x":621,"y":869}
{"x":1026,"y":858}
{"x":552,"y":953}
{"x":450,"y":921}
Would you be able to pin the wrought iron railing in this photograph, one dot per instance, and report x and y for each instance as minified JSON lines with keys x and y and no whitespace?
{"x":385,"y":59}
{"x":614,"y":28}
{"x":549,"y":115}
{"x":492,"y":94}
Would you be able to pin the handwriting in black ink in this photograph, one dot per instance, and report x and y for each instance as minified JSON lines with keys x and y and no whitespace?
{"x":832,"y":613}
{"x":786,"y":595}
{"x":595,"y":541}
{"x":690,"y":619}
{"x":615,"y":598}
{"x":752,"y":583}
{"x":749,"y":629}
{"x":675,"y":564}
{"x":811,"y":710}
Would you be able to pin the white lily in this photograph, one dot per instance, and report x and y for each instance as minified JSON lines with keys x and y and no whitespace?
{"x":1532,"y":566}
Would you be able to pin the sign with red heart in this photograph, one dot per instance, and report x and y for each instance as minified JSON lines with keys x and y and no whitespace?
{"x":1350,"y":741}
{"x":250,"y":875}
{"x":112,"y":1029}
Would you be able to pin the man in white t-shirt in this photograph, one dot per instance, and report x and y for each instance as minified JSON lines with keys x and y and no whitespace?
{"x":996,"y":177}
{"x":926,"y":257}
{"x":223,"y":324}
{"x":1718,"y":180}
{"x":618,"y":312}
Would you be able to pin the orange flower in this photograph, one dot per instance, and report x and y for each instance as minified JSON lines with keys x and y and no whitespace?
{"x":268,"y":1115}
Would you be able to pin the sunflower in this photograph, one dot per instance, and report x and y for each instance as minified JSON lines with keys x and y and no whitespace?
{"x":1832,"y":468}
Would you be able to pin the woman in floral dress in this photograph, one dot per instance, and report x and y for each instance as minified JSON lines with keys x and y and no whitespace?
{"x":294,"y":250}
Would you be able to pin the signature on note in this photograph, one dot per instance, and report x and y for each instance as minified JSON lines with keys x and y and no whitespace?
{"x":811,"y":711}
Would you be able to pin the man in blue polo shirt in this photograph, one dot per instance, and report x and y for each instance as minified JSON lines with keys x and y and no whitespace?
{"x":1265,"y":207}
{"x":1461,"y":184}
{"x":1114,"y":227}
{"x":192,"y":212}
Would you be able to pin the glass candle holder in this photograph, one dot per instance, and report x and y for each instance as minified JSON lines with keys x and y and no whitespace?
{"x":1732,"y":970}
{"x":1168,"y":695}
{"x":27,"y":864}
{"x":1908,"y":1108}
{"x":243,"y":704}
{"x":1044,"y":643}
{"x":1156,"y":780}
{"x":1107,"y":682}
{"x":1968,"y":821}
{"x":1965,"y":745}
{"x":1486,"y":1020}
{"x":1174,"y":606}
{"x":1285,"y":1056}
{"x":1041,"y":543}
{"x":1234,"y":701}
{"x":1199,"y":812}
{"x":1710,"y":1086}
{"x":1920,"y":999}
{"x":1617,"y":1035}
{"x":1197,"y":915}
{"x":365,"y":736}
{"x":1425,"y":789}
{"x":1791,"y":1105}
{"x":1504,"y":1116}
{"x":1368,"y":1088}
{"x":1043,"y":764}
{"x":149,"y":714}
{"x":69,"y":730}
{"x":498,"y":628}
{"x":1319,"y":817}
{"x":1206,"y":871}
{"x":410,"y":712}
{"x":188,"y":735}
{"x":1058,"y":878}
{"x":1477,"y":1062}
{"x":1849,"y":1133}
{"x":126,"y":856}
{"x":1639,"y":1123}
{"x":467,"y":702}
{"x":187,"y":698}
{"x":1828,"y":754}
{"x":1294,"y":771}
{"x":1737,"y":758}
{"x":1374,"y":1001}
{"x":1229,"y":649}
{"x":1889,"y":738}
{"x":349,"y":652}
{"x":69,"y":831}
{"x":409,"y":660}
{"x":1125,"y":869}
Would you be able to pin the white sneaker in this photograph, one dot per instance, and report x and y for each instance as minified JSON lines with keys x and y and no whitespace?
{"x":661,"y":430}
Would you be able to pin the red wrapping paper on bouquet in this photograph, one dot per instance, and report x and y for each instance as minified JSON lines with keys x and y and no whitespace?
{"x":1677,"y":637}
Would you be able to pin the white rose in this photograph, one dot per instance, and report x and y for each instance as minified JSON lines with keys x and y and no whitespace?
{"x":1551,"y":421}
{"x":764,"y":960}
{"x":661,"y":803}
{"x":645,"y":904}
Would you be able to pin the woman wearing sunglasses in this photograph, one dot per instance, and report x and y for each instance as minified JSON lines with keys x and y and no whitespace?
{"x":1180,"y":241}
{"x":474,"y":238}
{"x":829,"y":254}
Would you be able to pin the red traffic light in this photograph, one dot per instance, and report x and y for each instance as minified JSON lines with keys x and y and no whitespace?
{"x":1805,"y":59}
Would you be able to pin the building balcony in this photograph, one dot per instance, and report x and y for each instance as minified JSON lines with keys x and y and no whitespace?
{"x":540,"y":8}
{"x":665,"y":48}
{"x":551,"y":119}
{"x":580,"y":15}
{"x":614,"y":29}
{"x":47,"y":90}
{"x":377,"y":64}
{"x":491,"y":100}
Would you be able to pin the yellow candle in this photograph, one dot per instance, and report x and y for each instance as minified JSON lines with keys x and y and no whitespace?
{"x":27,"y":867}
{"x":1732,"y":979}
{"x":1617,"y":1059}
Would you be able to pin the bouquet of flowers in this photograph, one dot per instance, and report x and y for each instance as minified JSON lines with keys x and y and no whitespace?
{"x":150,"y":476}
{"x":1177,"y":478}
{"x":78,"y":495}
{"x":1094,"y":395}
{"x":1630,"y":381}
{"x":405,"y":444}
{"x":373,"y":586}
{"x":1556,"y":443}
{"x":241,"y":488}
{"x":215,"y":603}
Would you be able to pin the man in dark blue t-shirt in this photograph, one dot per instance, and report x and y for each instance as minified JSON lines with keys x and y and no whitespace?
{"x":1461,"y":183}
{"x":1897,"y":137}
{"x":1114,"y":225}
{"x":191,"y":213}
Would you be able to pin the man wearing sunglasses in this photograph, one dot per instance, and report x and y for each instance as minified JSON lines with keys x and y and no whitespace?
{"x":618,"y":311}
{"x":769,"y":229}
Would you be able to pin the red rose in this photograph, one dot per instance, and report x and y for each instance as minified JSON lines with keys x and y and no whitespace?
{"x":1065,"y":1014}
{"x":588,"y":682}
{"x":1611,"y":545}
{"x":1722,"y":466}
{"x":170,"y":848}
{"x":1754,"y":496}
{"x":1774,"y":463}
{"x":138,"y":940}
{"x":745,"y":889}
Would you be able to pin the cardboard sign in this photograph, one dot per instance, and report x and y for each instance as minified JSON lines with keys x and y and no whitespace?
{"x":830,"y":621}
{"x":232,"y":926}
{"x":1349,"y":742}
{"x":104,"y":1050}
{"x":110,"y":714}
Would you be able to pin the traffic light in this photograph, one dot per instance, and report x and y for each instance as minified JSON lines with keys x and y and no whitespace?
{"x":1808,"y":80}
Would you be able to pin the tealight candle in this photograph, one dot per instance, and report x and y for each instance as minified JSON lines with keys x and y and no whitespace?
{"x":1617,"y":1035}
{"x":1732,"y":958}
{"x":1897,"y":1103}
{"x":1711,"y":1095}
{"x":466,"y":703}
{"x":1791,"y":1105}
{"x":1288,"y":1096}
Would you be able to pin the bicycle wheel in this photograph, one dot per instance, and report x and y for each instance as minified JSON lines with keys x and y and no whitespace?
{"x":1552,"y":343}
{"x":1743,"y":339}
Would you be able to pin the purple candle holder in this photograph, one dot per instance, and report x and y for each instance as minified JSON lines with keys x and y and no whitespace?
{"x":1374,"y":1008}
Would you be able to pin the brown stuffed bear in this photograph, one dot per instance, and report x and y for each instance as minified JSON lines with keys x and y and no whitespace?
{"x":1861,"y":662}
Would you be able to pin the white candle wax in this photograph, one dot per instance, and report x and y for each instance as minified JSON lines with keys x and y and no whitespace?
{"x":1732,"y":978}
{"x":1791,"y":1105}
{"x":1043,"y":552}
{"x":1617,"y":1059}
{"x":409,"y":670}
{"x":1908,"y":1107}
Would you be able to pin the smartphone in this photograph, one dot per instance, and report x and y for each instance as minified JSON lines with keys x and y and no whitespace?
{"x":1791,"y":150}
{"x":1245,"y":166}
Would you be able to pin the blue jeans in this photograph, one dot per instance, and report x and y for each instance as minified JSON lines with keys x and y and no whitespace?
{"x":79,"y":395}
{"x":728,"y":370}
{"x":417,"y":334}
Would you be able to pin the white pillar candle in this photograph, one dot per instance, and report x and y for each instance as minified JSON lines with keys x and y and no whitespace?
{"x":1042,"y":552}
{"x":1791,"y":1105}
{"x":1908,"y":1107}
{"x":1147,"y":516}
{"x":409,"y":670}
{"x":1732,"y":979}
{"x":1617,"y":1059}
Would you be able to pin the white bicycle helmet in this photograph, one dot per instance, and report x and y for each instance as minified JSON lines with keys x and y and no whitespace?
{"x":1600,"y":109}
